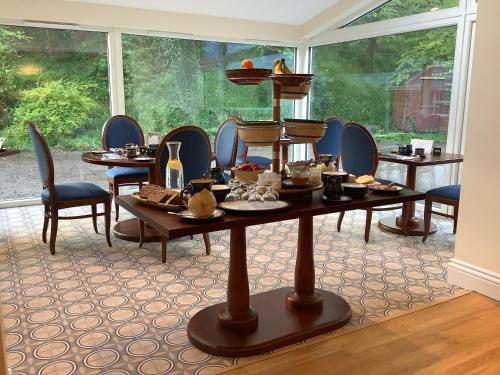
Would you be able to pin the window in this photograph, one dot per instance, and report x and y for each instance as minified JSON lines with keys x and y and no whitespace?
{"x":170,"y":82}
{"x":399,"y":86}
{"x":401,"y":8}
{"x":59,"y":80}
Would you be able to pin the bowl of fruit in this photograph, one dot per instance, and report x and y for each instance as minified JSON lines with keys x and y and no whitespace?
{"x":248,"y":172}
{"x":248,"y":74}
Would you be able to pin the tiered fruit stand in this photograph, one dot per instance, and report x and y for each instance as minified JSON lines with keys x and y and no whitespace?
{"x":285,"y":86}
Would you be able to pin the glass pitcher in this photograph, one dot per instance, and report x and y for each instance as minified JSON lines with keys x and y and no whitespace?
{"x":174,"y":176}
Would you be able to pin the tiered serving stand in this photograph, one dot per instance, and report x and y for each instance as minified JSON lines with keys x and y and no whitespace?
{"x":285,"y":86}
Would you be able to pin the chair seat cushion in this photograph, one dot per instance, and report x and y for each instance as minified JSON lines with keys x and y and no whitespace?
{"x":76,"y":191}
{"x":127,"y":172}
{"x":255,"y":159}
{"x":447,"y":192}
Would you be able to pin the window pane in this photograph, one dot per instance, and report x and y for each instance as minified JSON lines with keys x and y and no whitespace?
{"x":59,"y":80}
{"x":399,"y":86}
{"x":170,"y":82}
{"x":401,"y":8}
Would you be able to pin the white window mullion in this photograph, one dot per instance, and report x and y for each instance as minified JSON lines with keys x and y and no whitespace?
{"x":299,"y":152}
{"x":115,"y":63}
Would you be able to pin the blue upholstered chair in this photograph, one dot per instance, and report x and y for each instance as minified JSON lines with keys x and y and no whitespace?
{"x":225,"y":145}
{"x":59,"y":196}
{"x":331,"y":143}
{"x":195,"y":155}
{"x":449,"y":195}
{"x":116,"y":133}
{"x":359,"y":156}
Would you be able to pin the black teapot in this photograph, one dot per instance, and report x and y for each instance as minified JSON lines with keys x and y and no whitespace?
{"x":216,"y":174}
{"x":151,"y":150}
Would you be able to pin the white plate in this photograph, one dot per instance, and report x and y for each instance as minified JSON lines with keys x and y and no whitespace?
{"x":143,"y":159}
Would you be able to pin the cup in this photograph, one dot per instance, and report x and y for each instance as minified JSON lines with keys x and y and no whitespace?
{"x":333,"y":186}
{"x":142,"y":150}
{"x":131,"y":152}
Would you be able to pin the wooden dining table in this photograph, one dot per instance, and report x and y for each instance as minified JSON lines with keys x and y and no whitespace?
{"x":415,"y":225}
{"x":127,"y":229}
{"x":246,"y":325}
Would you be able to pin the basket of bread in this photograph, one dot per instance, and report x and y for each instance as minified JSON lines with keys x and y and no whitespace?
{"x":156,"y":196}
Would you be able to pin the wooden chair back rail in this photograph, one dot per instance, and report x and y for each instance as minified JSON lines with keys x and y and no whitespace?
{"x":235,"y":141}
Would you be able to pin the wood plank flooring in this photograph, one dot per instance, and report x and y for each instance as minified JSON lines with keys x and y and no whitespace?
{"x":459,"y":336}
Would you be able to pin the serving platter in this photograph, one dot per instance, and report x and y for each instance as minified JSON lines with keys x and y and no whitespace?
{"x":248,"y":76}
{"x":246,"y":207}
{"x":163,"y":206}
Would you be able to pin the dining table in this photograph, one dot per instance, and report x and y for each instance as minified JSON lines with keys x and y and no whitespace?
{"x":415,"y":225}
{"x":8,"y":152}
{"x":247,"y":324}
{"x":126,"y":229}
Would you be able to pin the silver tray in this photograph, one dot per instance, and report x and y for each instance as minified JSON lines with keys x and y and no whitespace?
{"x":246,"y":207}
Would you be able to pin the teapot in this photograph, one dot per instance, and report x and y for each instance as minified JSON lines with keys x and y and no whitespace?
{"x":202,"y":201}
{"x":216,"y":174}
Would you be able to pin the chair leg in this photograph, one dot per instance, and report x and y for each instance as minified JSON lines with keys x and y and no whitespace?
{"x":427,"y":218}
{"x":107,"y":221}
{"x":455,"y":219}
{"x":405,"y":216}
{"x":141,"y":232}
{"x":54,"y":217}
{"x":116,"y":192}
{"x":46,"y":214}
{"x":163,"y":249}
{"x":368,"y":224}
{"x":339,"y":220}
{"x":140,"y":185}
{"x":94,"y":217}
{"x":206,"y":239}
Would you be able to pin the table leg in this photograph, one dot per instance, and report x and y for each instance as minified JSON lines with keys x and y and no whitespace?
{"x":238,"y":315}
{"x":129,"y":230}
{"x":304,"y":295}
{"x":415,"y":226}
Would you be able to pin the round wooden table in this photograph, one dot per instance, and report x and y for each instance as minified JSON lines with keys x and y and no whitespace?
{"x":127,"y":229}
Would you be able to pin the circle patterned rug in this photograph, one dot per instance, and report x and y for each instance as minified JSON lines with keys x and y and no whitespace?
{"x":91,"y":309}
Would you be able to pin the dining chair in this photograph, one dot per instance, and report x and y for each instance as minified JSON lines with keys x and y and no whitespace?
{"x":448,"y":195}
{"x":56,"y":197}
{"x":116,"y":133}
{"x":331,"y":143}
{"x":195,"y":155}
{"x":359,"y":156}
{"x":226,"y":144}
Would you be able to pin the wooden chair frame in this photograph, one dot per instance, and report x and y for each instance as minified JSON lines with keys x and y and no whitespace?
{"x":428,"y":213}
{"x":315,"y":147}
{"x":372,"y":172}
{"x":114,"y":187}
{"x":160,"y":181}
{"x":52,"y":206}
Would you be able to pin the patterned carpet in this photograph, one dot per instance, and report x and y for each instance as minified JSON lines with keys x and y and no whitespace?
{"x":91,"y":309}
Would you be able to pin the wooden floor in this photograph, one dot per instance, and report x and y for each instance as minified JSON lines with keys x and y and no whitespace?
{"x":459,"y":336}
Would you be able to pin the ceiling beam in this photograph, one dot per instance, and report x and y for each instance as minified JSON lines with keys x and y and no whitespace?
{"x":339,"y":14}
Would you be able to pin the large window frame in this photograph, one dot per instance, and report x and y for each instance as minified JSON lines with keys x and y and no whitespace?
{"x":463,"y":17}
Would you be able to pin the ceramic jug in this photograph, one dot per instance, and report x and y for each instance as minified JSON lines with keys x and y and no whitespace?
{"x":202,"y":201}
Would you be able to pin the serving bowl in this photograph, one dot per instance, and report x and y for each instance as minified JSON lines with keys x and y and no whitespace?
{"x":248,"y":76}
{"x":304,"y":131}
{"x":354,"y":190}
{"x":247,"y":176}
{"x":259,"y":132}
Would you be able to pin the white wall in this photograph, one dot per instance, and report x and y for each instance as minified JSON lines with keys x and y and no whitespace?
{"x":103,"y":16}
{"x":477,"y":253}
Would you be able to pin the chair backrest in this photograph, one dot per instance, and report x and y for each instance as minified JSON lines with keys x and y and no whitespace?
{"x":119,"y":130}
{"x":195,"y":153}
{"x":331,"y":143}
{"x":225,"y":143}
{"x":43,"y":157}
{"x":359,"y":153}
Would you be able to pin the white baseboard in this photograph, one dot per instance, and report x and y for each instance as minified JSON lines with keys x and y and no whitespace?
{"x":469,"y":276}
